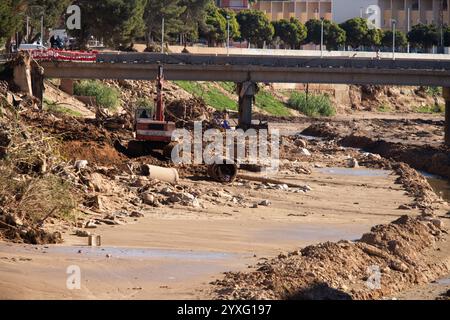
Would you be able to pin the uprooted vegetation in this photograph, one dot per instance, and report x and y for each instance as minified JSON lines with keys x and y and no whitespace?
{"x":32,"y":187}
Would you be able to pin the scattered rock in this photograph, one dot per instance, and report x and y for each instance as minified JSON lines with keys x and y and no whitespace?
{"x":82,"y":233}
{"x":353,"y":163}
{"x":437,"y":223}
{"x":80,"y":164}
{"x":305,"y":152}
{"x":148,"y":198}
{"x":398,"y":266}
{"x":136,"y":214}
{"x":301,"y":143}
{"x":265,"y":203}
{"x":90,"y":225}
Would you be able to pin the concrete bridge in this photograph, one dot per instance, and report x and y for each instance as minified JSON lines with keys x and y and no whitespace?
{"x":247,"y":71}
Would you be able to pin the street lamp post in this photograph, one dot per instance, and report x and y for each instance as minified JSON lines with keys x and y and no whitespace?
{"x":42,"y":29}
{"x":228,"y":35}
{"x":321,"y":37}
{"x":162,"y":35}
{"x":441,"y":18}
{"x":409,"y":28}
{"x":394,"y":23}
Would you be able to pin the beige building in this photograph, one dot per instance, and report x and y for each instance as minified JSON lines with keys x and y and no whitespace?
{"x":303,"y":10}
{"x":418,"y":11}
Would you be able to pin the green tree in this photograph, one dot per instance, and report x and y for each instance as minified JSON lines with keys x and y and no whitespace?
{"x":53,"y":10}
{"x":10,"y":18}
{"x":235,"y":32}
{"x":356,"y":30}
{"x":447,"y":36}
{"x":373,"y":38}
{"x":117,"y":22}
{"x":193,"y":18}
{"x":291,"y":32}
{"x":255,"y":27}
{"x":423,"y":36}
{"x":333,"y":35}
{"x":401,"y":41}
{"x":171,"y":10}
{"x":215,"y":27}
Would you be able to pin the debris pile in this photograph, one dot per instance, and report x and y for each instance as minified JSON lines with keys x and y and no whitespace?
{"x":185,"y":111}
{"x":345,"y":270}
{"x":33,"y":189}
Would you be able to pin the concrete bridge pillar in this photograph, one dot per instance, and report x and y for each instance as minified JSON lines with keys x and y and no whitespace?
{"x":446,"y":95}
{"x":246,"y":91}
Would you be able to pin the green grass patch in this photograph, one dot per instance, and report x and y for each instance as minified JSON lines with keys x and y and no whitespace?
{"x":60,"y":109}
{"x":430,"y":109}
{"x":267,"y":102}
{"x":105,"y":96}
{"x":228,"y":86}
{"x":384,"y":108}
{"x":212,"y":95}
{"x":433,"y":91}
{"x":312,"y":105}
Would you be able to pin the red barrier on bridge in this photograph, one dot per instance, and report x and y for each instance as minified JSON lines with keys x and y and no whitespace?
{"x":61,"y":55}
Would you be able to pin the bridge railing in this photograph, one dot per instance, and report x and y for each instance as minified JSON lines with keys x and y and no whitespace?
{"x":62,"y":55}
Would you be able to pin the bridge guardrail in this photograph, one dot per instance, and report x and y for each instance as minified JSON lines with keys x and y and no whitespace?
{"x":62,"y":55}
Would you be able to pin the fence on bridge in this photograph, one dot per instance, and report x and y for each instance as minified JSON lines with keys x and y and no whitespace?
{"x":62,"y":55}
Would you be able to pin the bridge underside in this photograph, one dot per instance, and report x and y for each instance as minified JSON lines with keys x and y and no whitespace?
{"x":240,"y":74}
{"x":265,"y":69}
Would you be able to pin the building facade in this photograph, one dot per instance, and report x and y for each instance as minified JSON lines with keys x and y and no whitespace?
{"x":233,"y":4}
{"x":405,"y":12}
{"x":303,"y":10}
{"x":411,"y":12}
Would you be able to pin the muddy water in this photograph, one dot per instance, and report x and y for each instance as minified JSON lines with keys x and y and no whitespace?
{"x":359,"y":172}
{"x":441,"y":186}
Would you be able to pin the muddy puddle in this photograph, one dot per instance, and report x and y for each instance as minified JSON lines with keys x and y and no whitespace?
{"x":307,"y":234}
{"x":440,"y":185}
{"x":123,"y":252}
{"x":142,"y":253}
{"x":358,"y":172}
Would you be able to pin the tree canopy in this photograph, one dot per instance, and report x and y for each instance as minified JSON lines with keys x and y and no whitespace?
{"x":356,"y":30}
{"x":291,"y":32}
{"x":333,"y":35}
{"x":214,"y":29}
{"x":10,"y":19}
{"x":401,"y":41}
{"x":115,"y":21}
{"x":423,"y":36}
{"x":171,"y":10}
{"x":235,"y":30}
{"x":255,"y":27}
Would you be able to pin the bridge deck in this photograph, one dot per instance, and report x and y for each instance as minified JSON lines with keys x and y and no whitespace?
{"x":269,"y":69}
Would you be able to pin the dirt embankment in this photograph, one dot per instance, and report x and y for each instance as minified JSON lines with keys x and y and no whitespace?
{"x":430,"y":158}
{"x":389,"y":259}
{"x":393,"y":254}
{"x":393,"y":98}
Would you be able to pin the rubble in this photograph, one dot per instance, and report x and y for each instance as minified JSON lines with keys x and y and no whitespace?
{"x":339,"y":270}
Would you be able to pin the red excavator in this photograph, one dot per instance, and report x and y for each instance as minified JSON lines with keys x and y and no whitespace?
{"x":151,"y":130}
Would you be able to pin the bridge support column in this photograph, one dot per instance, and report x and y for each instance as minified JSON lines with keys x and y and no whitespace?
{"x":246,"y":91}
{"x":446,"y":95}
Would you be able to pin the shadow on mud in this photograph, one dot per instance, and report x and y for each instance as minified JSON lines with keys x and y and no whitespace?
{"x":319,"y":291}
